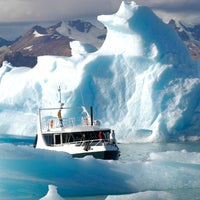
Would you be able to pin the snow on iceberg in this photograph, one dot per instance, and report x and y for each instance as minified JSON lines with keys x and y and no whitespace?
{"x":52,"y":194}
{"x":142,"y":82}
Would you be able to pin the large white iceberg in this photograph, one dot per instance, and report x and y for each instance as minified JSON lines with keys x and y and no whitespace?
{"x":142,"y":82}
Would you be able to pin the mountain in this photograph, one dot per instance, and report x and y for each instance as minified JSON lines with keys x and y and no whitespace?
{"x":5,"y":49}
{"x":4,"y":42}
{"x":36,"y":42}
{"x":42,"y":41}
{"x":55,"y":40}
{"x":88,"y":32}
{"x":190,"y":35}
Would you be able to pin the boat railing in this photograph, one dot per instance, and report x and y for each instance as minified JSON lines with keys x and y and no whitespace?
{"x":66,"y":122}
{"x":93,"y":142}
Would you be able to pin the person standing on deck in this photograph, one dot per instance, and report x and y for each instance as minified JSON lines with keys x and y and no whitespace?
{"x":60,"y":118}
{"x":112,"y":137}
{"x":100,"y":136}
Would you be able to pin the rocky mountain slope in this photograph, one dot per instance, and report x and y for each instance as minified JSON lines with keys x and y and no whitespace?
{"x":190,"y":36}
{"x":55,"y":40}
{"x":36,"y":42}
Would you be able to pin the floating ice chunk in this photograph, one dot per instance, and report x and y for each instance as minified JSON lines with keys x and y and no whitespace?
{"x":52,"y":194}
{"x":177,"y":156}
{"x":143,"y":196}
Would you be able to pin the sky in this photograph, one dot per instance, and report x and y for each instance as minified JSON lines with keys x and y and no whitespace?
{"x":47,"y":10}
{"x":187,"y":10}
{"x":27,"y":13}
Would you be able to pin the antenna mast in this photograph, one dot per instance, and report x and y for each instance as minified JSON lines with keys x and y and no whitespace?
{"x":60,"y":97}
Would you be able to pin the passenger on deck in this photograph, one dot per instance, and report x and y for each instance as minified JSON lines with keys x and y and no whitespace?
{"x":60,"y":118}
{"x":112,"y":137}
{"x":100,"y":136}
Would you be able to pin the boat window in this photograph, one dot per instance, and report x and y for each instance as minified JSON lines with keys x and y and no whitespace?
{"x":71,"y":138}
{"x":57,"y":139}
{"x":80,"y":136}
{"x":106,"y":134}
{"x":95,"y":135}
{"x":65,"y":137}
{"x":48,"y":139}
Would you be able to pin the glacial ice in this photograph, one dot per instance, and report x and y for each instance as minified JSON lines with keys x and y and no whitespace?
{"x":142,"y":82}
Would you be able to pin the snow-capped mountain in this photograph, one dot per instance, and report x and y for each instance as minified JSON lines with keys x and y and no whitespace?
{"x":90,"y":32}
{"x":55,"y":40}
{"x":42,"y":41}
{"x":37,"y":41}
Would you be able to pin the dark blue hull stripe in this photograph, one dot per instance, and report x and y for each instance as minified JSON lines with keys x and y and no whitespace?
{"x":106,"y":155}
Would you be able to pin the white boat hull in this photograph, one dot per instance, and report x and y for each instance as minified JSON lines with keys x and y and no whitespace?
{"x":104,"y":150}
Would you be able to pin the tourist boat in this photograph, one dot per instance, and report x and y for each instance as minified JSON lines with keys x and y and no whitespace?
{"x":79,"y":136}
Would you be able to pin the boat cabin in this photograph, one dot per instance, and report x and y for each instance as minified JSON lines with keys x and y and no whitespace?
{"x":52,"y":139}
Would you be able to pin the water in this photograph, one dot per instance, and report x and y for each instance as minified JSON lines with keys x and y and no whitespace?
{"x":140,"y":152}
{"x":144,"y":171}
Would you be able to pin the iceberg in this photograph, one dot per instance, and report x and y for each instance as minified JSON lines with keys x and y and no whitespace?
{"x":143,"y":196}
{"x":142,"y":82}
{"x":52,"y":194}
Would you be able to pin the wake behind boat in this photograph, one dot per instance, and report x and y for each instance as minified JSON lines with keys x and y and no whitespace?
{"x":79,"y":136}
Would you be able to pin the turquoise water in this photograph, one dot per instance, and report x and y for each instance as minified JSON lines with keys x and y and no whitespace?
{"x":143,"y":171}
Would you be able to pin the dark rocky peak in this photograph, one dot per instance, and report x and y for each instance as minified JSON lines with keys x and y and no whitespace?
{"x":4,"y":42}
{"x":18,"y":60}
{"x":56,"y":26}
{"x":39,"y":29}
{"x":172,"y":23}
{"x":190,"y":35}
{"x":81,"y":25}
{"x":194,"y":30}
{"x":180,"y":31}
